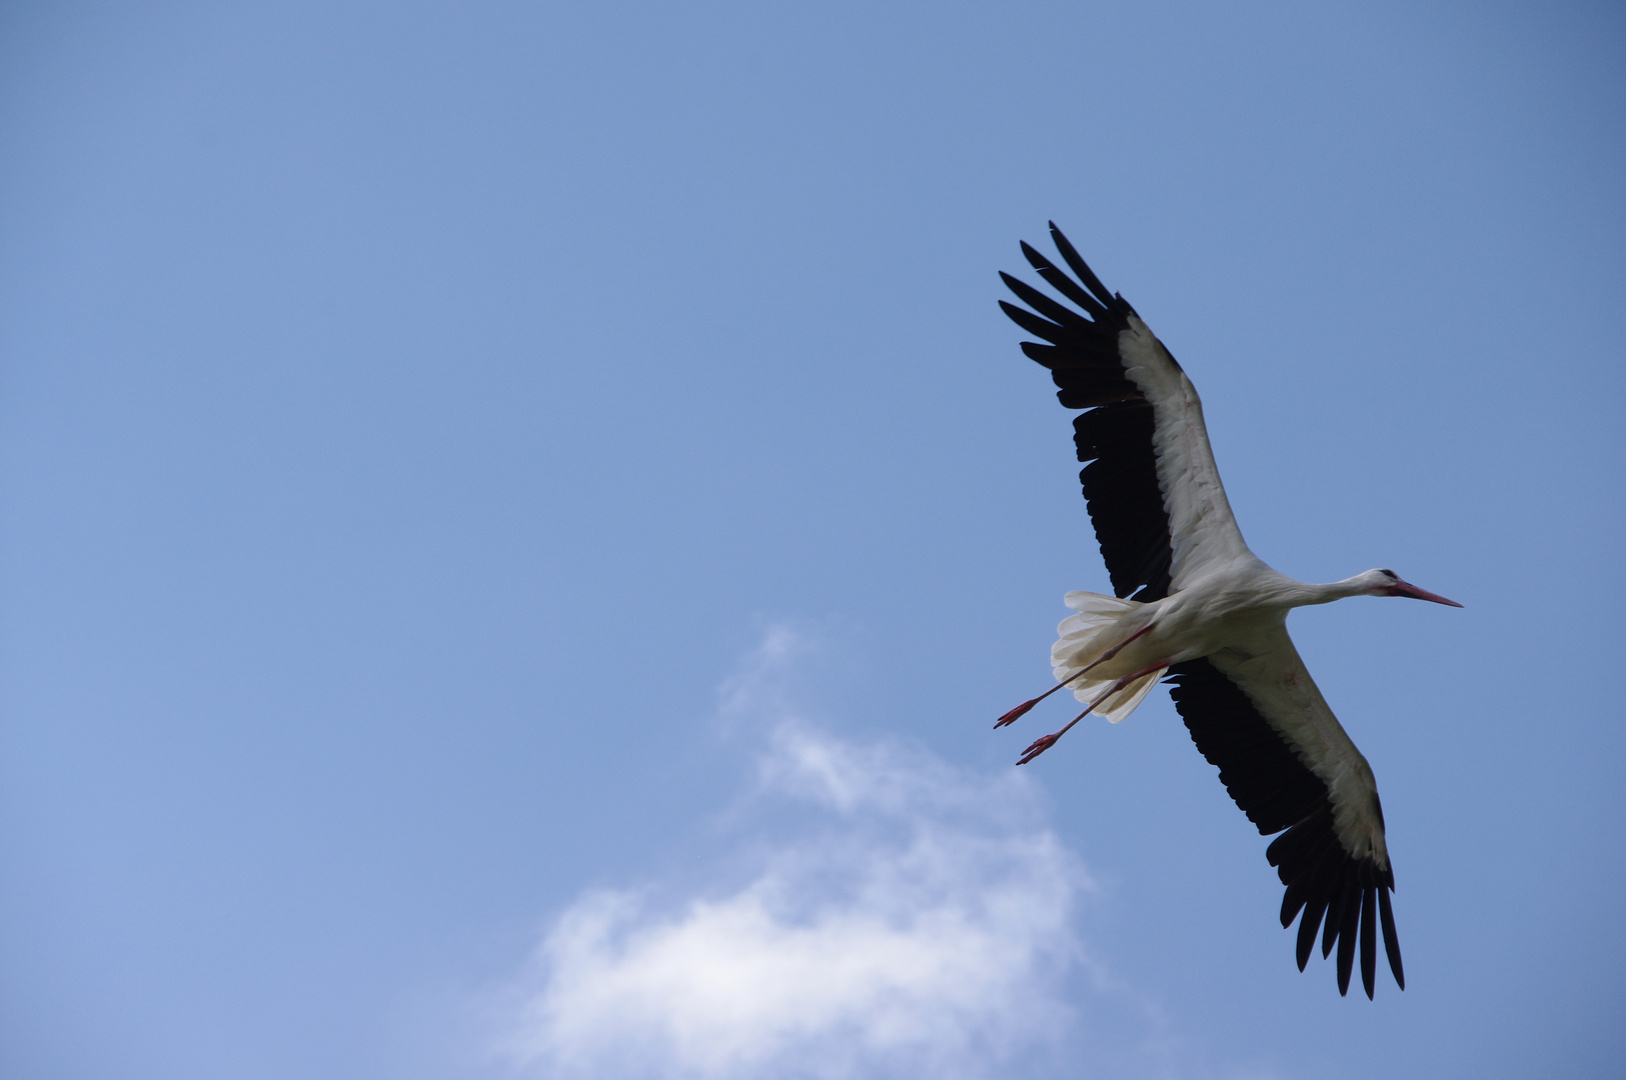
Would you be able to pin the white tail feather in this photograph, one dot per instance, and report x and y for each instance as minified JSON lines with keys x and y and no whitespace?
{"x":1101,"y":623}
{"x":1124,"y":702}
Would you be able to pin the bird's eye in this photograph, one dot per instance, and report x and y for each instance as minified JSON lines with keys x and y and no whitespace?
{"x":1391,"y":573}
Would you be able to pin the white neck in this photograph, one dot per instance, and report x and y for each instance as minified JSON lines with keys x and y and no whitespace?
{"x":1304,"y":594}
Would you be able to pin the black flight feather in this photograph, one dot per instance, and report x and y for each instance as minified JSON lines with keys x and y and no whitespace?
{"x":1082,"y":269}
{"x":1369,"y":939}
{"x":1063,"y":284}
{"x":1346,"y":939}
{"x":1391,"y":941}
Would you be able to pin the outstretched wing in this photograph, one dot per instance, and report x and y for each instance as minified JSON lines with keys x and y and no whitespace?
{"x":1154,"y":494}
{"x":1289,"y":765}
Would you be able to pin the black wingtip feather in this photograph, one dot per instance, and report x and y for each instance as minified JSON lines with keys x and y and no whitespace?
{"x":1293,"y":900}
{"x":1308,"y":926}
{"x":1391,"y":941}
{"x":1346,"y":944}
{"x":1033,"y":324}
{"x":1335,"y":918}
{"x":1369,"y":940}
{"x":1062,"y":283}
{"x":1035,"y":257}
{"x":1081,"y":268}
{"x":1045,"y":306}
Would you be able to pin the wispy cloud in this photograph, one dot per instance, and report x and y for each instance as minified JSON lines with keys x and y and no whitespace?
{"x":912,"y":919}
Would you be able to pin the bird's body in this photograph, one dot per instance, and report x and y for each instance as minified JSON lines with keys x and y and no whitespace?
{"x":1208,"y":613}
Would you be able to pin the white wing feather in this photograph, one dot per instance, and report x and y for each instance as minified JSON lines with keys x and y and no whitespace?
{"x":1277,"y":682}
{"x":1202,"y":530}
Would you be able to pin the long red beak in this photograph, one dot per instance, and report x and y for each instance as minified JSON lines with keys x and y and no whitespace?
{"x":1406,"y":588}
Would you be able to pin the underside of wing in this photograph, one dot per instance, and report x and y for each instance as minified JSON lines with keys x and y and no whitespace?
{"x":1286,"y":770}
{"x":1154,"y":493}
{"x":1115,"y":438}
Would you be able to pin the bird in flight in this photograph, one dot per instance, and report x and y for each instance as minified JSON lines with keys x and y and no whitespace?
{"x":1195,"y":605}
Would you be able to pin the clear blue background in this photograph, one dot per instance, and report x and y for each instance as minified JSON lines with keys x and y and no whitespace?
{"x":410,"y":414}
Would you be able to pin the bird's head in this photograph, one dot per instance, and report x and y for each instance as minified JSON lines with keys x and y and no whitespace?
{"x":1388,"y":583}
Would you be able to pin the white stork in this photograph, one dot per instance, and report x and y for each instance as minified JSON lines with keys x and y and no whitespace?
{"x":1207,"y":612}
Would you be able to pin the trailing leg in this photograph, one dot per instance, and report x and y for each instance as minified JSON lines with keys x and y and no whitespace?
{"x":1022,"y":709}
{"x":1045,"y":742}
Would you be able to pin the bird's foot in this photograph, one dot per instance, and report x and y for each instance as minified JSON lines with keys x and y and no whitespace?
{"x":1016,"y":713}
{"x":1040,"y":745}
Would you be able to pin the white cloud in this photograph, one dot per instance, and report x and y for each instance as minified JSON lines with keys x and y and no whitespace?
{"x":918,"y":921}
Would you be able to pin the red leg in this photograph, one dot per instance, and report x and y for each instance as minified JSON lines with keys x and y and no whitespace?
{"x":1016,"y":713}
{"x":1045,"y":742}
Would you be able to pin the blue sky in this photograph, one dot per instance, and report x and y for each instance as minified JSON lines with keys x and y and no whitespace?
{"x":519,"y":519}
